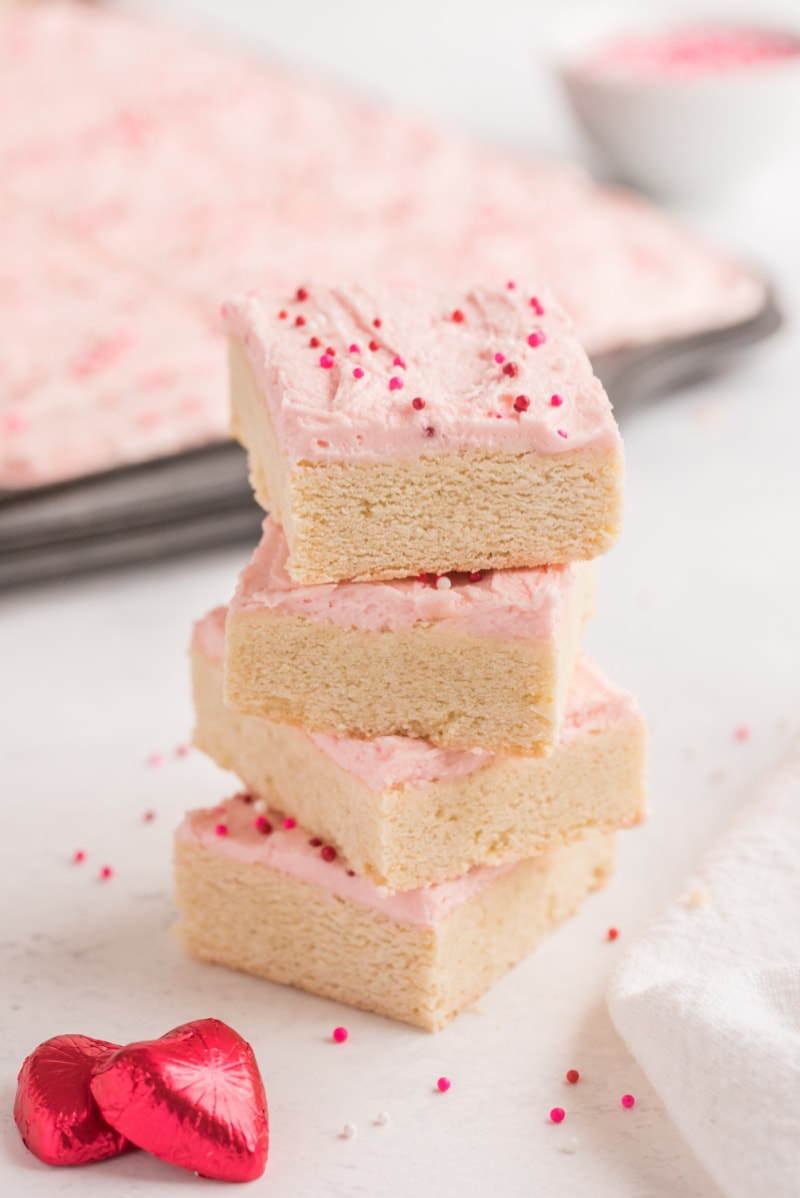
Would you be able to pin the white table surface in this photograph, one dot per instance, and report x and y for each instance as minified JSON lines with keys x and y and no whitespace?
{"x":698,"y":613}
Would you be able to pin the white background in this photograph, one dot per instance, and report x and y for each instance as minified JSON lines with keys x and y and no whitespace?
{"x":698,"y":612}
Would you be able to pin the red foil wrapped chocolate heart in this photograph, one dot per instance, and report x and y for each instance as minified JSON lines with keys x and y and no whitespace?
{"x":57,"y":1117}
{"x":194,"y":1098}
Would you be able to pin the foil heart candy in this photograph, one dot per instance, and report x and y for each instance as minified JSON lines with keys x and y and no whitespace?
{"x":194,"y":1098}
{"x":57,"y":1117}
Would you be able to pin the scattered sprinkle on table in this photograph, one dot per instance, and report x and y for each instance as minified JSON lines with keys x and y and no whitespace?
{"x":628,"y":1101}
{"x":557,"y":1115}
{"x":612,"y":933}
{"x":573,"y":1076}
{"x":381,"y":1119}
{"x":349,"y":1131}
{"x":443,"y":1084}
{"x":340,"y":1034}
{"x":105,"y":873}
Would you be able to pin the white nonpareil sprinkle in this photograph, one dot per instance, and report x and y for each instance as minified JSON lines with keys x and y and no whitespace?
{"x":382,"y":1118}
{"x":260,"y":805}
{"x":571,"y":1145}
{"x":443,"y":583}
{"x":349,"y":1131}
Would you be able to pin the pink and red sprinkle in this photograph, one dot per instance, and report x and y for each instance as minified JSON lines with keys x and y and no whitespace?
{"x":78,"y":857}
{"x":395,"y":383}
{"x":430,"y":430}
{"x":536,"y":338}
{"x":556,"y":401}
{"x":315,"y":842}
{"x":573,"y":1076}
{"x":458,"y":316}
{"x":499,"y":359}
{"x":263,"y":825}
{"x":221,"y":830}
{"x":557,"y":1115}
{"x":314,"y":343}
{"x":358,"y":373}
{"x":443,"y":1085}
{"x":536,"y":305}
{"x":155,"y":759}
{"x":326,"y":361}
{"x":741,"y":733}
{"x":561,"y":433}
{"x":377,"y":322}
{"x":182,"y":751}
{"x":511,"y":369}
{"x":149,"y":816}
{"x":612,"y":933}
{"x":282,"y":315}
{"x":106,"y":872}
{"x":340,"y":1034}
{"x":299,"y":321}
{"x":328,"y":852}
{"x":374,"y":345}
{"x":628,"y":1101}
{"x":398,"y":361}
{"x":511,"y":285}
{"x":354,"y":348}
{"x":301,"y":294}
{"x":521,"y":403}
{"x":418,"y":404}
{"x":476,"y":575}
{"x":289,"y":823}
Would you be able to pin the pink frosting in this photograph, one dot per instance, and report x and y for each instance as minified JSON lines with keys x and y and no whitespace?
{"x":289,"y":852}
{"x":693,"y":51}
{"x":595,"y":704}
{"x":157,"y":175}
{"x":527,"y":603}
{"x":441,"y":348}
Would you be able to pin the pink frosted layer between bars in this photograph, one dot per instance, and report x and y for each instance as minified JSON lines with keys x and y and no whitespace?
{"x":523,"y":603}
{"x":288,"y":851}
{"x":453,"y":350}
{"x":167,"y":174}
{"x":595,"y":705}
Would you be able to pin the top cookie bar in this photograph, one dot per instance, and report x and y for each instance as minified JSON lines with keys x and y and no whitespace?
{"x":395,"y":431}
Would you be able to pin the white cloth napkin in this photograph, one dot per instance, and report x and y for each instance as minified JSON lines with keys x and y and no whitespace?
{"x":708,"y":999}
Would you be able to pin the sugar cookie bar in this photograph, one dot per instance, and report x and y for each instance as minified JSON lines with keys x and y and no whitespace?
{"x":405,"y":813}
{"x":276,"y":902}
{"x":393,"y":431}
{"x":466,"y":661}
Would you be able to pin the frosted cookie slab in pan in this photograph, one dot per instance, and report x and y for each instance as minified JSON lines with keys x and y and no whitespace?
{"x":405,"y":813}
{"x":393,"y":431}
{"x":468,"y":661}
{"x":273,"y":901}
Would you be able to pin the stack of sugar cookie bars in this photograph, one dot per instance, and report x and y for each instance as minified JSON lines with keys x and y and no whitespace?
{"x":433,"y":772}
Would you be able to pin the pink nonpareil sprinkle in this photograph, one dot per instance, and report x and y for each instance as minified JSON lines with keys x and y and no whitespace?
{"x":561,"y":433}
{"x":105,"y":873}
{"x":326,"y":361}
{"x":443,"y":1085}
{"x":354,"y":348}
{"x":155,"y":759}
{"x":418,"y":404}
{"x":78,"y":857}
{"x":536,"y":338}
{"x":395,"y":384}
{"x":328,"y":853}
{"x":499,"y":359}
{"x":398,"y":361}
{"x":557,"y":1115}
{"x":149,"y":816}
{"x":628,"y":1101}
{"x":263,"y":825}
{"x":182,"y":751}
{"x":511,"y":284}
{"x":221,"y":830}
{"x":612,"y":934}
{"x":556,"y":401}
{"x":536,"y":305}
{"x":289,"y":823}
{"x":358,"y":373}
{"x":340,"y":1034}
{"x":13,"y":422}
{"x":741,"y":733}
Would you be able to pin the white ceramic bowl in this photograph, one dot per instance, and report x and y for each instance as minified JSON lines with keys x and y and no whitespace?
{"x":688,"y":136}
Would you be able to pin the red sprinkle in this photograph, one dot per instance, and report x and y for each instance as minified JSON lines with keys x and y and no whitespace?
{"x":398,"y":361}
{"x":263,"y":825}
{"x":573,"y":1076}
{"x":328,"y":853}
{"x":536,"y":339}
{"x":340,"y":1034}
{"x":499,"y":359}
{"x":299,"y":321}
{"x":155,"y":759}
{"x":612,"y":933}
{"x":476,"y":576}
{"x":315,"y":842}
{"x":741,"y":733}
{"x":245,"y":797}
{"x":351,"y":873}
{"x":289,"y":823}
{"x":182,"y":751}
{"x":149,"y":816}
{"x":377,"y":322}
{"x":510,"y":285}
{"x":557,"y":1114}
{"x":330,"y":350}
{"x":354,"y":348}
{"x":511,"y":369}
{"x":430,"y":430}
{"x":537,"y":307}
{"x":561,"y":433}
{"x":628,"y":1101}
{"x":556,"y":401}
{"x":78,"y":856}
{"x":105,"y":873}
{"x":395,"y":384}
{"x":314,"y":342}
{"x":221,"y":830}
{"x":301,"y":294}
{"x":358,"y":373}
{"x":521,"y":403}
{"x":458,"y":316}
{"x":418,"y":404}
{"x":443,"y":1084}
{"x":326,"y":361}
{"x":374,"y":345}
{"x":282,"y":315}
